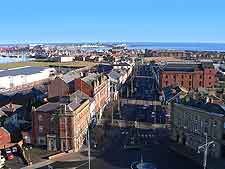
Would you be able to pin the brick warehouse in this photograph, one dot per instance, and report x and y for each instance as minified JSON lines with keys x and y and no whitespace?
{"x":188,"y":75}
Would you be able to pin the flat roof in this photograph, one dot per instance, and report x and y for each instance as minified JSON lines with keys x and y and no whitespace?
{"x":22,"y":71}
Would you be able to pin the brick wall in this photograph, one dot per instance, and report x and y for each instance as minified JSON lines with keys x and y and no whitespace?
{"x":57,"y":87}
{"x":189,"y":80}
{"x":4,"y":136}
{"x":82,"y":86}
{"x":40,"y":125}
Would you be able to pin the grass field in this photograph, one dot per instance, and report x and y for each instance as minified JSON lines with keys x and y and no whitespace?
{"x":47,"y":64}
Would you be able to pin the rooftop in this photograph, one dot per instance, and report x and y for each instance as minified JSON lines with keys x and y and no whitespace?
{"x":48,"y":107}
{"x":2,"y":113}
{"x":90,"y":78}
{"x":76,"y":103}
{"x":186,"y":67}
{"x":70,"y":76}
{"x":114,"y":75}
{"x":22,"y":71}
{"x":208,"y":107}
{"x":80,"y":95}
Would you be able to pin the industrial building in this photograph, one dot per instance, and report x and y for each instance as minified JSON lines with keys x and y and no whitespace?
{"x":13,"y":78}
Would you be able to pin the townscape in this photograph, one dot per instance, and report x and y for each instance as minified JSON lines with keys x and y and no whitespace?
{"x":107,"y":106}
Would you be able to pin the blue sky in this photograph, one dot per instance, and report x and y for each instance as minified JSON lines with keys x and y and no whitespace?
{"x":112,"y":20}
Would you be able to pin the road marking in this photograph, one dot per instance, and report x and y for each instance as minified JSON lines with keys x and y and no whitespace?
{"x":80,"y":165}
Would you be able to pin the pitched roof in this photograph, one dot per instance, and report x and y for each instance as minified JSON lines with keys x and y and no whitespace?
{"x":121,"y":64}
{"x":80,"y":95}
{"x":114,"y":75}
{"x":48,"y":107}
{"x":181,"y":67}
{"x":76,"y":103}
{"x":90,"y":78}
{"x":11,"y":107}
{"x":208,"y":107}
{"x":70,"y":76}
{"x":4,"y":99}
{"x":2,"y":113}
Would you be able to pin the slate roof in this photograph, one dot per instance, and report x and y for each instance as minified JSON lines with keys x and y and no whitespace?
{"x":208,"y":107}
{"x":81,"y":95}
{"x":9,"y":107}
{"x":114,"y":75}
{"x":78,"y":99}
{"x":48,"y":107}
{"x":170,"y":92}
{"x":187,"y":67}
{"x":182,"y":67}
{"x":90,"y":78}
{"x":2,"y":113}
{"x":4,"y":99}
{"x":121,"y":64}
{"x":70,"y":76}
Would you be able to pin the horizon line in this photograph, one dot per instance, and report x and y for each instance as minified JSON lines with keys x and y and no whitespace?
{"x":80,"y":42}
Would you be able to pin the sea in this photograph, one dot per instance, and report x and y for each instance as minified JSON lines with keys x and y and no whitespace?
{"x":4,"y":60}
{"x":219,"y":47}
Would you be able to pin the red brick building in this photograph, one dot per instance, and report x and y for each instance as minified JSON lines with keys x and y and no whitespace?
{"x":96,"y":86}
{"x":5,"y":137}
{"x":62,"y":125}
{"x":188,"y":75}
{"x":62,"y":86}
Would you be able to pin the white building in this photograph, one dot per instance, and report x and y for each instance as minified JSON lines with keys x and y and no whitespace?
{"x":66,"y":58}
{"x":12,"y":78}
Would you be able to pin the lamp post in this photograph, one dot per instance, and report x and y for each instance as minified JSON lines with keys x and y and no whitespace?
{"x":29,"y":148}
{"x":205,"y":147}
{"x":89,"y":149}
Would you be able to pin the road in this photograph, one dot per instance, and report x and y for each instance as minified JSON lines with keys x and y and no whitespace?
{"x":116,"y":157}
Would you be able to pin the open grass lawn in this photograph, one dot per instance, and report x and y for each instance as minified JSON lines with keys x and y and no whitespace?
{"x":47,"y":64}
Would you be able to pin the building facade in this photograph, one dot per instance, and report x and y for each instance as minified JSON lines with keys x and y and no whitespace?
{"x":96,"y":86}
{"x":61,"y":126}
{"x":190,"y":75}
{"x":190,"y":124}
{"x":62,"y":85}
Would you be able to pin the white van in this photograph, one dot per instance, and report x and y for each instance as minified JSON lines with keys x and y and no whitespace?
{"x":2,"y":161}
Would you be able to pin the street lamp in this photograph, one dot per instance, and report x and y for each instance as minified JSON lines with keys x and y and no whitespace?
{"x":154,"y":116}
{"x":205,"y":147}
{"x":29,"y":148}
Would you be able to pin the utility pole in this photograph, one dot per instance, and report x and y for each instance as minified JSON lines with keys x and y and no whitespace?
{"x":205,"y":147}
{"x":66,"y":129}
{"x":89,"y":149}
{"x":112,"y":113}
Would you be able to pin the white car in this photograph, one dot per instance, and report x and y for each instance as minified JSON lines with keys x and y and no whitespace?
{"x":2,"y":161}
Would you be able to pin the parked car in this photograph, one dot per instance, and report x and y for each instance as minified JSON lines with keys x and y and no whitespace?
{"x":8,"y":154}
{"x":14,"y":150}
{"x":2,"y":161}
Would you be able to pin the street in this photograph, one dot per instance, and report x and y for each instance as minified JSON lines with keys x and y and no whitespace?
{"x":116,"y":156}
